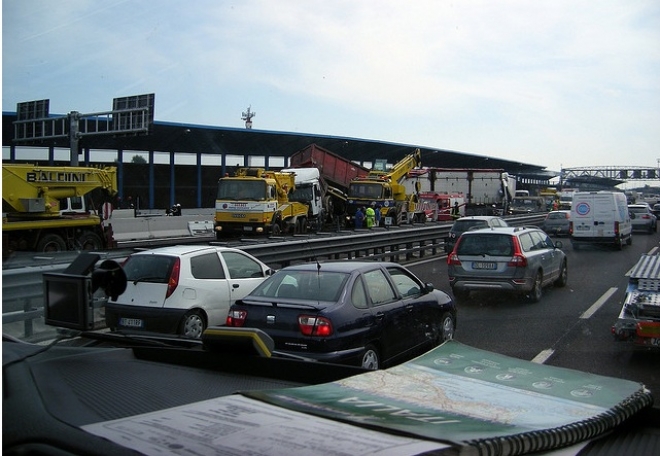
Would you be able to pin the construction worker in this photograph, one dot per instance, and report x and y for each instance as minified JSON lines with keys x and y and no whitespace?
{"x":371,"y":216}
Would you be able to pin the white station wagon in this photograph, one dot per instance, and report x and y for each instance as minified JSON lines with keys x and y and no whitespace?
{"x":183,"y":289}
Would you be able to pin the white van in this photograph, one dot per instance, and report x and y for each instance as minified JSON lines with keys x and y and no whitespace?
{"x":600,"y":218}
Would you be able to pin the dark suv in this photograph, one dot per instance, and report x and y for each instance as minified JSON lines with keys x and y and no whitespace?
{"x":521,"y":260}
{"x":474,"y":222}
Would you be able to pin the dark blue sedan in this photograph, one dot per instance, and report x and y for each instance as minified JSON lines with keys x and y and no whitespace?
{"x":370,"y":314}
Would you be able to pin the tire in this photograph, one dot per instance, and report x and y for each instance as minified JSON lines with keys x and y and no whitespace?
{"x":370,"y":359}
{"x":446,"y":328}
{"x":275,"y":229}
{"x":302,"y":225}
{"x":563,"y":275}
{"x":51,"y":243}
{"x":536,"y":292}
{"x":629,"y":240}
{"x":90,"y":241}
{"x":193,"y":325}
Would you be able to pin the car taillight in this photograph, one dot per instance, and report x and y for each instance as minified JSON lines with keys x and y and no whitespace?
{"x":570,"y":228}
{"x":518,"y":260}
{"x":315,"y":326}
{"x":616,"y":228}
{"x":236,"y":318}
{"x":453,"y":260}
{"x":173,"y":282}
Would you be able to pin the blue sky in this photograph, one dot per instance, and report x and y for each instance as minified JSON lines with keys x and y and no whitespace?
{"x":558,"y":83}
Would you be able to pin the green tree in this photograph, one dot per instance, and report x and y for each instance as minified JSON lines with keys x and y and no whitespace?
{"x":139,"y":159}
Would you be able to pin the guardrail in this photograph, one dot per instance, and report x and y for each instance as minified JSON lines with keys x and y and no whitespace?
{"x":22,"y":288}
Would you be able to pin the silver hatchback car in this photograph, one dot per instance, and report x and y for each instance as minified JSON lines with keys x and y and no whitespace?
{"x":521,"y":260}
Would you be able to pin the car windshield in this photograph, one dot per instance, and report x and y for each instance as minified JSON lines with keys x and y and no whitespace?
{"x":638,"y":210}
{"x":486,"y":244}
{"x":307,"y":285}
{"x":557,"y":215}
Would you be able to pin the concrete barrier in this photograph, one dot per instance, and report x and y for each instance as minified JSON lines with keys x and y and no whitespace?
{"x":127,"y":227}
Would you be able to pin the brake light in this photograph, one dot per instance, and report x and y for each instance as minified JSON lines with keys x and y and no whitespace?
{"x":236,"y":318}
{"x":173,"y":282}
{"x":315,"y":326}
{"x":452,"y":259}
{"x":570,"y":228}
{"x":518,"y":260}
{"x":616,"y":228}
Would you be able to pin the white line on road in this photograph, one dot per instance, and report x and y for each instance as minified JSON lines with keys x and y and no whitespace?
{"x":542,"y":357}
{"x":598,"y":304}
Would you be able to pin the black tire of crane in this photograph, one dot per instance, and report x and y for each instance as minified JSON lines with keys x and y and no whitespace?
{"x":90,"y":241}
{"x":302,"y":225}
{"x":51,"y":242}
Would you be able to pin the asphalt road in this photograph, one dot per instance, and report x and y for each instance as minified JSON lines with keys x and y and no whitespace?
{"x":563,"y":329}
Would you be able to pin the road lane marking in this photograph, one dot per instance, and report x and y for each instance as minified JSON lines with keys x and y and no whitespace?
{"x":542,"y":357}
{"x":598,"y":304}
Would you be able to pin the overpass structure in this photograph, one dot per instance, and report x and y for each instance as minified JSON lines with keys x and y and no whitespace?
{"x":606,"y":176}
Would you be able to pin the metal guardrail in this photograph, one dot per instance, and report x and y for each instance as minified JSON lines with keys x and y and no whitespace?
{"x":22,"y":288}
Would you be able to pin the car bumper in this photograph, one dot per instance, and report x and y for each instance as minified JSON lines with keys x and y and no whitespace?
{"x":121,"y":317}
{"x":351,"y":356}
{"x":519,"y":285}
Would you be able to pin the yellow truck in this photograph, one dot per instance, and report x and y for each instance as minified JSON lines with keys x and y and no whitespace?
{"x":45,"y":208}
{"x":386,"y":189}
{"x":256,"y":201}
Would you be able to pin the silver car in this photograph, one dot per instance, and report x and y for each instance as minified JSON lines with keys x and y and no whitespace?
{"x":519,"y":260}
{"x":642,"y":218}
{"x":468,"y":223}
{"x":557,"y":223}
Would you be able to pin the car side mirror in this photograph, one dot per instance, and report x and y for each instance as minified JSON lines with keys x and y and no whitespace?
{"x":558,"y":244}
{"x":428,"y":287}
{"x":631,"y":214}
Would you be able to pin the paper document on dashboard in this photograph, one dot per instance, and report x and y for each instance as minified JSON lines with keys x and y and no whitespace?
{"x":237,"y":425}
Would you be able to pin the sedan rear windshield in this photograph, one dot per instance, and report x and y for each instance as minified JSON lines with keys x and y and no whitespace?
{"x":486,"y":244}
{"x":466,"y":225}
{"x":149,"y":268}
{"x":307,"y":285}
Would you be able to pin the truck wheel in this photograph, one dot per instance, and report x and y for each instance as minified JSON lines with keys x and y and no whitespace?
{"x":90,"y":241}
{"x":51,"y":243}
{"x":302,"y":225}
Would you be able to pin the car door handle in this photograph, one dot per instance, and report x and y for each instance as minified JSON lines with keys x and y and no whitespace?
{"x":235,"y":285}
{"x":409,"y":307}
{"x":380,"y":316}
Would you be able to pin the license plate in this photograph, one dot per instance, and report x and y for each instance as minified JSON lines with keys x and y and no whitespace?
{"x":247,"y":228}
{"x":484,"y":265}
{"x":131,"y":322}
{"x":582,"y":228}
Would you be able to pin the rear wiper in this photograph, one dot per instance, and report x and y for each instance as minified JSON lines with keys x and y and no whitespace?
{"x":147,"y":279}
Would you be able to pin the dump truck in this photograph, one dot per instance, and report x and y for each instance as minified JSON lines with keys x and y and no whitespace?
{"x":256,"y":201}
{"x":486,"y":191}
{"x":384,"y":189}
{"x":639,"y":319}
{"x":322,"y":182}
{"x":46,"y":208}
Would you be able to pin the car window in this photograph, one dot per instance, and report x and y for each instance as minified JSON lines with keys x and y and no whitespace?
{"x":241,"y":266}
{"x":378,"y":287}
{"x":406,"y":284}
{"x":465,"y":225}
{"x":206,"y":266}
{"x":148,"y":268}
{"x":540,"y":241}
{"x":526,"y":242}
{"x":359,"y":295}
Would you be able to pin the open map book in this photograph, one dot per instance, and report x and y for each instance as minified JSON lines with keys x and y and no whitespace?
{"x":479,"y":402}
